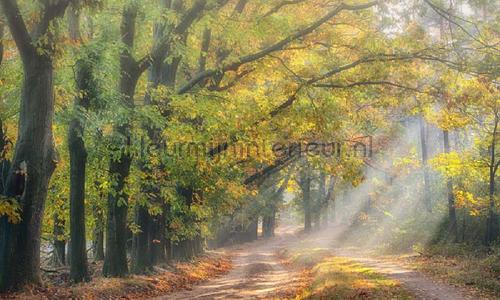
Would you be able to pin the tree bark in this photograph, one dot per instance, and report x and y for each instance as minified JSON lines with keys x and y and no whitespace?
{"x":452,"y":215}
{"x":115,"y":261}
{"x":492,"y":225}
{"x":78,"y":159}
{"x":306,"y":202}
{"x":34,"y":157}
{"x":142,"y":242}
{"x":98,"y":242}
{"x":423,"y":145}
{"x":33,"y":164}
{"x":59,"y":254}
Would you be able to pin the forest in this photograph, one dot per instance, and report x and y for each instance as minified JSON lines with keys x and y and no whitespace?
{"x":139,"y":137}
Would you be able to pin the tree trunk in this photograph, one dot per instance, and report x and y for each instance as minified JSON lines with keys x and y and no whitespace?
{"x":452,"y":215}
{"x":78,"y":161}
{"x":266,"y":227}
{"x":272,"y":223}
{"x":316,"y":220}
{"x":252,"y":230}
{"x":115,"y":260}
{"x":423,"y":145}
{"x":59,"y":254}
{"x":98,"y":232}
{"x":326,"y":215}
{"x":33,"y":164}
{"x":306,"y":200}
{"x":98,"y":243}
{"x":492,"y":226}
{"x":141,"y":249}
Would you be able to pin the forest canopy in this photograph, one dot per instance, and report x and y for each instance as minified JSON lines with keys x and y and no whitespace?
{"x":152,"y":129}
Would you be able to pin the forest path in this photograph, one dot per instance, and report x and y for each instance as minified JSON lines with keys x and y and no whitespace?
{"x":258,"y":273}
{"x":421,"y":286}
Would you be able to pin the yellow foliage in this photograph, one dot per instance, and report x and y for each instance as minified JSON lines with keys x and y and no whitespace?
{"x":11,"y":209}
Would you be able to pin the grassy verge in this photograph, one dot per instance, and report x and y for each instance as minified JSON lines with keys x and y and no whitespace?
{"x":334,"y":277}
{"x":163,"y":281}
{"x":458,"y":265}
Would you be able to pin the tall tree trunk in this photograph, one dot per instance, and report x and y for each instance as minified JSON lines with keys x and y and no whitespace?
{"x":492,"y":226}
{"x":78,"y":158}
{"x":423,"y":147}
{"x":326,"y":215}
{"x":271,"y":224}
{"x":33,"y":164}
{"x":452,"y":215}
{"x":266,"y":226}
{"x":59,"y":254}
{"x":251,"y":232}
{"x":34,"y":157}
{"x":306,"y":200}
{"x":115,"y":261}
{"x":142,"y":242}
{"x":78,"y":162}
{"x":98,"y":242}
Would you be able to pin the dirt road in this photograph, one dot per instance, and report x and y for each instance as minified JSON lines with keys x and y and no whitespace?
{"x":418,"y":284}
{"x":258,"y":273}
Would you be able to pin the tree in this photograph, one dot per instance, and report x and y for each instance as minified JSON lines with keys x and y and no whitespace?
{"x":34,"y":158}
{"x":304,"y":181}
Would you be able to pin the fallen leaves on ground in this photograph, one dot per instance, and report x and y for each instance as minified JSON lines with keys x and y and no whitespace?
{"x":325,"y":276}
{"x":164,"y":280}
{"x":478,"y":274}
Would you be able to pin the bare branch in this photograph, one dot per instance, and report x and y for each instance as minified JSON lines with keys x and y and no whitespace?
{"x":450,"y":18}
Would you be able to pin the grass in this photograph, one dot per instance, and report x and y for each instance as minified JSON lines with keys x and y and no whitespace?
{"x":334,"y":277}
{"x":458,"y":265}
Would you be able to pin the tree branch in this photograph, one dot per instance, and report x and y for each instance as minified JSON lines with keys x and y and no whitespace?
{"x":233,"y":82}
{"x":293,"y":97}
{"x":190,"y":16}
{"x":449,"y":17}
{"x":277,"y":166}
{"x":52,"y":10}
{"x":273,"y":48}
{"x":17,"y":27}
{"x":161,"y":48}
{"x":363,"y":83}
{"x":240,"y":6}
{"x":281,"y":5}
